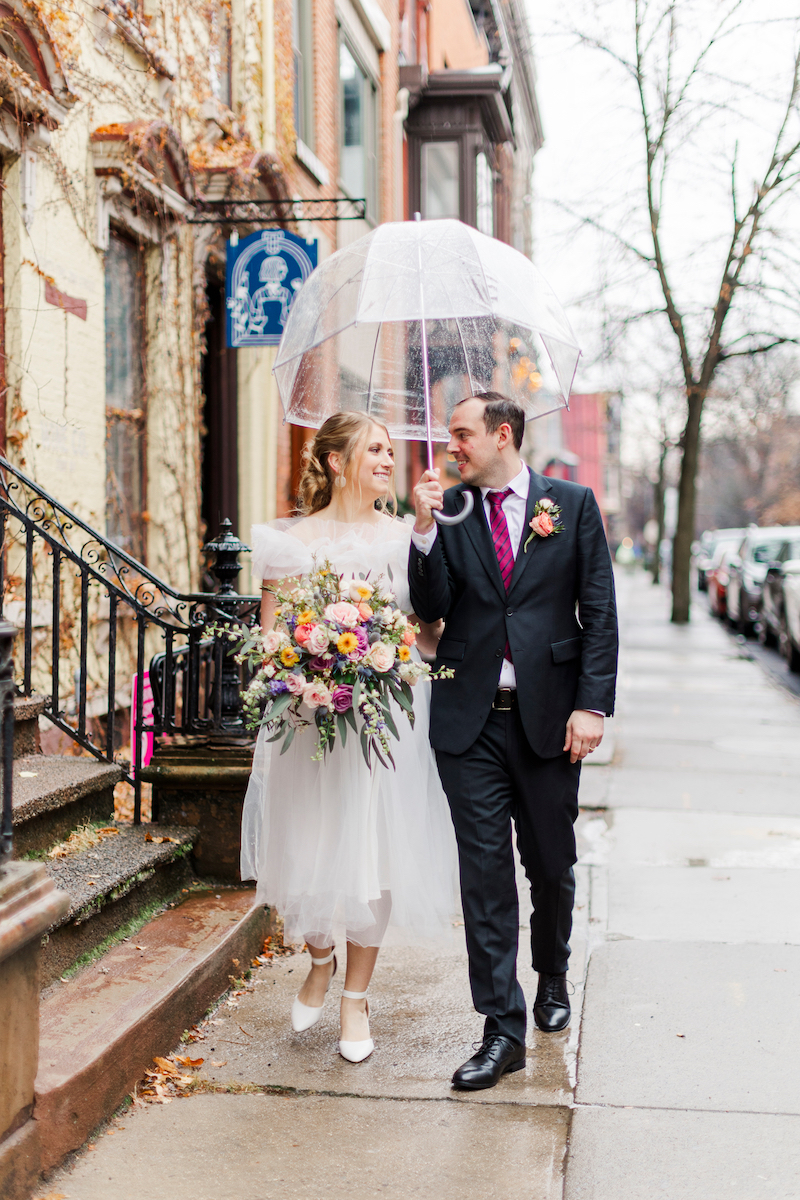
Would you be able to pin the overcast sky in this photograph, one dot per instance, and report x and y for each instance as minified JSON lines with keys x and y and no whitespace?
{"x":592,"y":163}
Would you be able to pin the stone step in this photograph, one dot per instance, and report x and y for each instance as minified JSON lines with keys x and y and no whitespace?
{"x":27,"y":710}
{"x":100,"y":1031}
{"x":110,"y":884}
{"x":55,"y":793}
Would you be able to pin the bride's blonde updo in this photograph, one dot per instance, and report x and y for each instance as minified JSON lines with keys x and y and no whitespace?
{"x":344,"y":434}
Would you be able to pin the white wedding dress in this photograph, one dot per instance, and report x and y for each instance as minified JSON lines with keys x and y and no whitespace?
{"x":336,"y":847}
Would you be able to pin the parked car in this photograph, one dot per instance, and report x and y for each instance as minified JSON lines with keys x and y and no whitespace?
{"x":789,"y":635}
{"x":748,"y":570}
{"x":718,"y":575}
{"x":771,"y":615}
{"x":708,"y":545}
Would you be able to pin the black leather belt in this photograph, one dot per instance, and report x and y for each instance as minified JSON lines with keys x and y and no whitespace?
{"x":504,"y":699}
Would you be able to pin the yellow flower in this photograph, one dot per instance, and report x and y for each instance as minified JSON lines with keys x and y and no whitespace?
{"x":289,"y":656}
{"x":305,"y":616}
{"x":403,"y":653}
{"x":347,"y":643}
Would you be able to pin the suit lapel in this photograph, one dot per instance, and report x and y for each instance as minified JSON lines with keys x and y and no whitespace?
{"x":539,"y":486}
{"x":481,"y":538}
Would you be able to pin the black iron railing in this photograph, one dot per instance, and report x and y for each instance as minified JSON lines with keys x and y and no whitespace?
{"x":89,"y":618}
{"x":7,"y":635}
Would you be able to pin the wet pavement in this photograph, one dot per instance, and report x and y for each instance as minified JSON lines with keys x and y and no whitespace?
{"x":688,"y":1064}
{"x":689,"y":1054}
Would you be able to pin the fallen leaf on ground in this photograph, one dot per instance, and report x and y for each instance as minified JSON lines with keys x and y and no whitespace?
{"x":52,"y":1196}
{"x":148,"y":837}
{"x":185,"y":1061}
{"x":223,"y":1063}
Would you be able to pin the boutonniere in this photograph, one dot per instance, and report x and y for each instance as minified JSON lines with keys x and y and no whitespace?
{"x":545,"y":520}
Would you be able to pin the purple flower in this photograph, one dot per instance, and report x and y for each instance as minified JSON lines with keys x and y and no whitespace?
{"x":362,"y":647}
{"x":321,"y":662}
{"x":276,"y":687}
{"x":342,"y":698}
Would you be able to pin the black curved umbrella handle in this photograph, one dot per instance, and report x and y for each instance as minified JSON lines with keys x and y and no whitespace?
{"x":469,"y":504}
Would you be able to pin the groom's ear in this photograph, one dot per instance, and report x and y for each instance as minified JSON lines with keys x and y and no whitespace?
{"x":505,"y":435}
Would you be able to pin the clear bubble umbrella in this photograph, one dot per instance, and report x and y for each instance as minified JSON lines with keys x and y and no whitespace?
{"x":414,"y":317}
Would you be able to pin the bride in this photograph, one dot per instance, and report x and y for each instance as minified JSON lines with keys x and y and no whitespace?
{"x":335,"y":844}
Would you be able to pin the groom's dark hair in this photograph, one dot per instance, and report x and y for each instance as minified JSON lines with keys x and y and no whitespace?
{"x":500,"y":410}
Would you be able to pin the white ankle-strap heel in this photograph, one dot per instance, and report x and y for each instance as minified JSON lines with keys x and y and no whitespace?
{"x":356,"y":1052}
{"x":303,"y":1015}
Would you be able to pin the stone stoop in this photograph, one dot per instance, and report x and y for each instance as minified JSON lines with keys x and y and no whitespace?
{"x":110,"y":884}
{"x":55,"y":793}
{"x":100,"y":1031}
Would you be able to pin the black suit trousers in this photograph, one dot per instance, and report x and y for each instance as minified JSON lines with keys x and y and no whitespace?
{"x":500,"y":779}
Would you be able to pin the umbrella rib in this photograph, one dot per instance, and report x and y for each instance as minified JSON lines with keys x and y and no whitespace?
{"x":466,"y":360}
{"x":372,"y":368}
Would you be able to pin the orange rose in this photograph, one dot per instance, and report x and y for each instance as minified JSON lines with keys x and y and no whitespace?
{"x":409,"y":636}
{"x":543,"y":525}
{"x":365,"y":612}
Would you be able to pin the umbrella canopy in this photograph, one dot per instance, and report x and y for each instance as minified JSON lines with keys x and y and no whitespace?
{"x":414,"y":317}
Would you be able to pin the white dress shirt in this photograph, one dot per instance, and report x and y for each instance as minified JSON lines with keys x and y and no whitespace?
{"x":514,"y":507}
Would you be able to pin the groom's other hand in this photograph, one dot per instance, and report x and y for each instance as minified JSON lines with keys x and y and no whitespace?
{"x":428,"y":495}
{"x":584,"y":734}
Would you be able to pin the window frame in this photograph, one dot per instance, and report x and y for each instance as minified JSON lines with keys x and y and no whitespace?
{"x":372,"y":177}
{"x":115,"y":417}
{"x":303,"y":83}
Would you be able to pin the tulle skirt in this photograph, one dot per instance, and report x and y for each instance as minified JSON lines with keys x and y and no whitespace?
{"x":331,"y":842}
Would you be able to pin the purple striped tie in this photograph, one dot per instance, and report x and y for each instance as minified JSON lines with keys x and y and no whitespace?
{"x":502,"y":541}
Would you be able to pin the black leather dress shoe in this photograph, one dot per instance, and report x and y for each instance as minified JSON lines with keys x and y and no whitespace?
{"x":551,"y":1010}
{"x":497,"y":1056}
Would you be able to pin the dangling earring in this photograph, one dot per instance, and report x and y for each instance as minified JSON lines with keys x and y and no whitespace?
{"x":341,"y":481}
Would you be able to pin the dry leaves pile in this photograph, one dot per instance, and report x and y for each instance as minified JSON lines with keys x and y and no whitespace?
{"x":272,"y":948}
{"x":82,"y":838}
{"x":148,"y":837}
{"x":168,"y":1080}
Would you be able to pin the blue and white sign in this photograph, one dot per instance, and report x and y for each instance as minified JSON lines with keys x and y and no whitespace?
{"x":265,"y":271}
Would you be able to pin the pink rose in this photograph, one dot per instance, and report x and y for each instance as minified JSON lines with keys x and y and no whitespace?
{"x":543,"y":525}
{"x":317,"y":694}
{"x":381,"y":656}
{"x":273,"y":641}
{"x":409,"y":636}
{"x":343,"y":614}
{"x":365,"y":612}
{"x":295,"y":684}
{"x":302,"y":633}
{"x":318,"y":640}
{"x":362,"y":647}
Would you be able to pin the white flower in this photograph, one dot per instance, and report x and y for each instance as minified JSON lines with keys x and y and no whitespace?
{"x":381,"y":656}
{"x":546,"y":504}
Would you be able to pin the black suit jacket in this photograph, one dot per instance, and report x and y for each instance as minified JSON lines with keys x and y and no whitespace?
{"x":564,"y":659}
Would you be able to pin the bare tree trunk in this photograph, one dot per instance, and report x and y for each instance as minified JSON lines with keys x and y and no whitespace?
{"x":658,"y":501}
{"x":687,"y":490}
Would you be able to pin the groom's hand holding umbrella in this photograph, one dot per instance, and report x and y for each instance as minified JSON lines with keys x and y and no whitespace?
{"x":428,"y":498}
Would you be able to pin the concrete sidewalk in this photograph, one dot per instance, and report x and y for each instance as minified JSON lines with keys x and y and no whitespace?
{"x":687,"y":1080}
{"x":689,"y":1064}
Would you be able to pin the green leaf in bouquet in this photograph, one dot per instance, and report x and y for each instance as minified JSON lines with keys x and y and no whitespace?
{"x":365,"y":748}
{"x":342,"y":727}
{"x":279,"y":704}
{"x":276,"y":737}
{"x":356,"y":693}
{"x":406,"y":689}
{"x":402,"y":699}
{"x":390,"y":722}
{"x":350,"y":717}
{"x":289,"y":738}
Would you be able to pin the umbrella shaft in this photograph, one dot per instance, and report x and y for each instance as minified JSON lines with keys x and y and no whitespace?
{"x":426,"y":385}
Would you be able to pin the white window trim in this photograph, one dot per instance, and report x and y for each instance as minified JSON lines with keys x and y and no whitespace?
{"x":307,"y":158}
{"x":357,"y":34}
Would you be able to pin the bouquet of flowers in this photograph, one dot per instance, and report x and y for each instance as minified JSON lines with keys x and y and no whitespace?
{"x":339,"y":654}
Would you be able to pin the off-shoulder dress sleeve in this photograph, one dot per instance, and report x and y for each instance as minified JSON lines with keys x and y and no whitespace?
{"x":277,"y":555}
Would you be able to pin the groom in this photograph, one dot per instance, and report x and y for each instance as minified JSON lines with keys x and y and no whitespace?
{"x":526,"y":591}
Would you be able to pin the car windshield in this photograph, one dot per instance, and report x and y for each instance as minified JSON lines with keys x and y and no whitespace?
{"x":764,"y":552}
